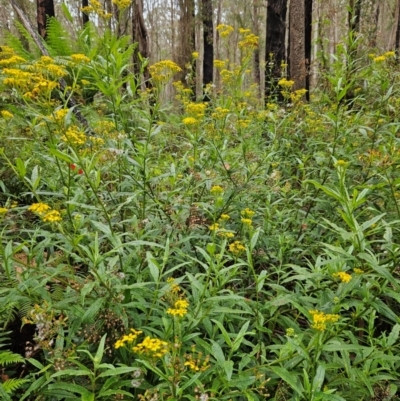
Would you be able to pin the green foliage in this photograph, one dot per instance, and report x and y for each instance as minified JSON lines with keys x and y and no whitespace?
{"x":228,"y":250}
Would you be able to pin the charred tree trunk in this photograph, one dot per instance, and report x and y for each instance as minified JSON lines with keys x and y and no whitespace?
{"x":256,"y":57}
{"x":397,"y":40}
{"x":208,"y":35}
{"x":45,"y":9}
{"x":308,"y":12}
{"x":275,"y":53}
{"x":85,"y":17}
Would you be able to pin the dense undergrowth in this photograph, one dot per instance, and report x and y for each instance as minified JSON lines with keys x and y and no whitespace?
{"x":220,"y":250}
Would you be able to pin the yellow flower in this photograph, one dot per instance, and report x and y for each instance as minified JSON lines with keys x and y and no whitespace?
{"x":179,"y":308}
{"x":320,"y":319}
{"x":247,"y":213}
{"x":236,"y":247}
{"x":191,"y":365}
{"x":127,"y":338}
{"x":189,"y":121}
{"x":3,"y":210}
{"x":79,"y":58}
{"x":343,"y":276}
{"x":52,"y":217}
{"x":216,"y":190}
{"x":213,"y":227}
{"x":358,"y":271}
{"x":163,"y":71}
{"x":226,"y":234}
{"x":224,"y":30}
{"x":39,"y":208}
{"x":225,"y":217}
{"x":341,"y":163}
{"x":390,"y":54}
{"x":74,"y":136}
{"x":379,"y":59}
{"x":122,"y":4}
{"x":152,"y":347}
{"x":6,"y":114}
{"x":195,"y":55}
{"x":219,"y":64}
{"x":246,"y":222}
{"x":286,"y":84}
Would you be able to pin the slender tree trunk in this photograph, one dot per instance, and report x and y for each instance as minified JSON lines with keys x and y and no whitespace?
{"x":45,"y":8}
{"x":308,"y":12}
{"x":275,"y":43}
{"x":397,"y":40}
{"x":139,"y":36}
{"x":297,"y":50}
{"x":256,"y":57}
{"x":85,"y":17}
{"x":208,"y":34}
{"x":186,"y":37}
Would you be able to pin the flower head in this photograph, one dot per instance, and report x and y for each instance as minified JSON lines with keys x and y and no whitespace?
{"x":343,"y":276}
{"x":320,"y":319}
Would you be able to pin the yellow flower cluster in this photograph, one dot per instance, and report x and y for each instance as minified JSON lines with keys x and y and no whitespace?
{"x":383,"y":57}
{"x":236,"y":247}
{"x":59,"y":115}
{"x":219,"y":112}
{"x":198,"y":364}
{"x":3,"y":210}
{"x":152,"y":347}
{"x":226,"y":234}
{"x":6,"y":114}
{"x":285,"y":83}
{"x":122,"y":4}
{"x":216,"y":190}
{"x":96,"y":7}
{"x":250,"y":41}
{"x":224,"y":217}
{"x":163,"y":71}
{"x":214,"y":227}
{"x":74,"y":136}
{"x":195,"y":55}
{"x":52,"y":217}
{"x":320,"y":319}
{"x":14,"y":59}
{"x":45,"y":212}
{"x":128,"y":338}
{"x":179,"y":309}
{"x":79,"y":58}
{"x":248,"y":212}
{"x":343,"y":276}
{"x":219,"y":64}
{"x":189,"y":121}
{"x":358,"y":271}
{"x":196,"y":110}
{"x":224,"y":30}
{"x":246,"y":221}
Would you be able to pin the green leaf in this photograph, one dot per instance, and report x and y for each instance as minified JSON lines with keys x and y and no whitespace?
{"x":4,"y":395}
{"x":154,"y":267}
{"x":60,"y":155}
{"x":228,"y":368}
{"x":66,"y":12}
{"x":100,"y":351}
{"x":117,"y":371}
{"x":217,"y":353}
{"x":318,"y":378}
{"x":223,"y":331}
{"x":394,"y":335}
{"x":289,"y":378}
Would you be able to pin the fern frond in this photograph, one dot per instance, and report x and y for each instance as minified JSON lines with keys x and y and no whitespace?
{"x":58,"y":39}
{"x":8,"y":357}
{"x":17,"y":45}
{"x":33,"y":49}
{"x":11,"y":385}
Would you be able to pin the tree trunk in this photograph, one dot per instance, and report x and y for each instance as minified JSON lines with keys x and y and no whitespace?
{"x":297,"y":50}
{"x":275,"y":43}
{"x":208,"y":34}
{"x":139,"y":36}
{"x":256,"y":57}
{"x":45,"y":9}
{"x":85,"y":17}
{"x":308,"y":12}
{"x":397,"y":40}
{"x":186,"y":38}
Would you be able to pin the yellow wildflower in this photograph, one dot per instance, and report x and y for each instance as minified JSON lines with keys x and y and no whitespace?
{"x":192,"y":365}
{"x":236,"y":247}
{"x":358,"y":271}
{"x":179,"y":309}
{"x":152,"y":347}
{"x":195,"y":55}
{"x":39,"y":208}
{"x":247,"y":213}
{"x":379,"y":59}
{"x":216,"y":190}
{"x":390,"y":54}
{"x":213,"y":227}
{"x":225,"y":217}
{"x":226,"y":234}
{"x":189,"y":121}
{"x":219,"y":64}
{"x":246,"y":222}
{"x":3,"y":210}
{"x":128,"y":338}
{"x":320,"y":319}
{"x":343,"y":276}
{"x":286,"y":84}
{"x":74,"y":136}
{"x":52,"y":217}
{"x":6,"y":114}
{"x":224,"y":30}
{"x":163,"y":71}
{"x":79,"y":58}
{"x":122,"y":4}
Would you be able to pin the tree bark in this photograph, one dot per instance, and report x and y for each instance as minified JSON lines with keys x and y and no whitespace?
{"x":186,"y":37}
{"x":45,"y":9}
{"x":208,"y":35}
{"x":139,"y":36}
{"x":85,"y":17}
{"x":275,"y":53}
{"x":297,"y":50}
{"x":256,"y":57}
